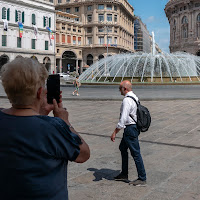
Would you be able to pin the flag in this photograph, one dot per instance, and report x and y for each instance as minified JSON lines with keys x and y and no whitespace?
{"x":35,"y":31}
{"x":50,"y":33}
{"x":20,"y":29}
{"x":5,"y":25}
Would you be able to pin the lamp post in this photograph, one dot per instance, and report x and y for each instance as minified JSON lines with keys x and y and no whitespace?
{"x":106,"y":27}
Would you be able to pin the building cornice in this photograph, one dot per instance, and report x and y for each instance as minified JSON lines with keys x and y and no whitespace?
{"x":79,"y":3}
{"x":19,"y":2}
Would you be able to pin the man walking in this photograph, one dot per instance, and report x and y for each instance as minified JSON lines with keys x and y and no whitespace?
{"x":129,"y":141}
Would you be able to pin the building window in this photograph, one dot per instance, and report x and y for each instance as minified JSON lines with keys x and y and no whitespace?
{"x":33,"y":19}
{"x":115,"y":8}
{"x":67,"y":10}
{"x":115,"y":30}
{"x":184,"y":32}
{"x":101,"y":40}
{"x":47,"y":21}
{"x":198,"y":25}
{"x":79,"y":40}
{"x":4,"y":40}
{"x":69,"y":28}
{"x":100,"y":7}
{"x":74,"y":29}
{"x":109,"y":29}
{"x":109,"y":7}
{"x":57,"y":38}
{"x":89,"y":30}
{"x":89,"y":18}
{"x":59,"y":1}
{"x":89,"y":8}
{"x":63,"y":27}
{"x":76,"y":9}
{"x":46,"y":45}
{"x":115,"y":18}
{"x":184,"y":20}
{"x":101,"y":29}
{"x":19,"y":16}
{"x":74,"y":40}
{"x":19,"y":42}
{"x":109,"y":40}
{"x":101,"y":17}
{"x":89,"y":40}
{"x":33,"y":43}
{"x":109,"y":17}
{"x":115,"y":40}
{"x":69,"y":39}
{"x":79,"y":30}
{"x":76,"y":19}
{"x":63,"y":38}
{"x":198,"y":18}
{"x":6,"y":13}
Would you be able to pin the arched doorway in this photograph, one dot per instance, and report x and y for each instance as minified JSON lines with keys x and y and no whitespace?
{"x":89,"y":59}
{"x":3,"y":60}
{"x":47,"y":63}
{"x":68,"y":61}
{"x":101,"y":57}
{"x":198,"y":53}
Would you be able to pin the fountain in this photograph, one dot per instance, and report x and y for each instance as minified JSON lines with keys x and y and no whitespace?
{"x":145,"y":67}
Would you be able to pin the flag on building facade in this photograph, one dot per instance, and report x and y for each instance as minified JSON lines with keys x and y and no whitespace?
{"x":5,"y":25}
{"x":51,"y":37}
{"x":35,"y":31}
{"x":21,"y":29}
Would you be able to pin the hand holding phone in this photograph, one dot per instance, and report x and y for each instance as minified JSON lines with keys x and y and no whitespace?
{"x":53,"y":88}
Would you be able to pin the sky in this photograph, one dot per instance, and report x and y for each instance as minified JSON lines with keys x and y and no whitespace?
{"x":153,"y":15}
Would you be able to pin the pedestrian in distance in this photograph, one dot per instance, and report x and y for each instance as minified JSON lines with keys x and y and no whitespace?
{"x":128,"y":119}
{"x":35,"y":148}
{"x":76,"y":84}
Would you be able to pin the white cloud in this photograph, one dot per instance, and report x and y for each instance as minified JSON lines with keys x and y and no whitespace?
{"x":150,"y":19}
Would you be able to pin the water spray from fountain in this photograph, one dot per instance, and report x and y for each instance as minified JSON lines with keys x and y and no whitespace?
{"x":145,"y":67}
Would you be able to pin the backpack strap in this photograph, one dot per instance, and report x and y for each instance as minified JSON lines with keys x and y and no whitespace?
{"x":137,"y":103}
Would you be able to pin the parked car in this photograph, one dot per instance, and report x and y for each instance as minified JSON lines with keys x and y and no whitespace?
{"x":66,"y":78}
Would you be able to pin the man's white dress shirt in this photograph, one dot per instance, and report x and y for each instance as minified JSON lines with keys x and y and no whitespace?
{"x":128,"y":107}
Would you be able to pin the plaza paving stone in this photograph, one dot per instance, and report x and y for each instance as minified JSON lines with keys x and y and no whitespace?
{"x":170,"y":150}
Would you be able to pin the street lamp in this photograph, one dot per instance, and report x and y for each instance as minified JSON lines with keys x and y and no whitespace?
{"x":106,"y":25}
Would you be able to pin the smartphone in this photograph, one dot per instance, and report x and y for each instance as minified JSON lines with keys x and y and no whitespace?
{"x":53,"y":88}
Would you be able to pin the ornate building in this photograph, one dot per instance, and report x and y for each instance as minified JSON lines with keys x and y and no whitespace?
{"x":26,"y":29}
{"x":87,"y":31}
{"x":184,"y":19}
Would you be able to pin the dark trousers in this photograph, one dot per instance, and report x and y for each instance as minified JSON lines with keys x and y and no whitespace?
{"x":130,"y":141}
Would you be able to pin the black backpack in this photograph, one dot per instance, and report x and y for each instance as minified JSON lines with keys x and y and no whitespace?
{"x":143,"y":116}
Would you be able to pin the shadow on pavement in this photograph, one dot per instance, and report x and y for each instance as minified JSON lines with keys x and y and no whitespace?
{"x":101,"y":174}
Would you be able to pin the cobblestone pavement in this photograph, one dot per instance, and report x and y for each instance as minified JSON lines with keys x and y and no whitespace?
{"x":170,"y":149}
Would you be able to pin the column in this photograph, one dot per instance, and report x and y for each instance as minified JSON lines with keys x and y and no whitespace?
{"x":76,"y":65}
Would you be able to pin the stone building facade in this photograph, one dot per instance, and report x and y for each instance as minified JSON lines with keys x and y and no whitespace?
{"x":26,"y":29}
{"x":88,"y":31}
{"x":184,"y":19}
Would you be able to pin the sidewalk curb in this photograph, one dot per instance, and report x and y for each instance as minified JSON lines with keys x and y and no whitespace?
{"x":117,"y":99}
